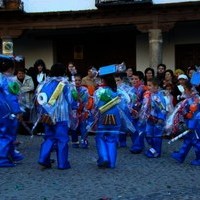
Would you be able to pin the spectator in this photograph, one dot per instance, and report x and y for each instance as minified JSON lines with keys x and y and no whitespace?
{"x":71,"y":71}
{"x":129,"y":73}
{"x":89,"y":80}
{"x":168,"y":78}
{"x":161,"y":73}
{"x":190,"y":71}
{"x":26,"y":87}
{"x":182,"y":80}
{"x":178,"y":72}
{"x":38,"y":72}
{"x":148,"y":74}
{"x":171,"y":79}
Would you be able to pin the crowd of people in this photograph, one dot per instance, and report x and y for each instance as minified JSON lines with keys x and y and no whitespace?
{"x":113,"y":102}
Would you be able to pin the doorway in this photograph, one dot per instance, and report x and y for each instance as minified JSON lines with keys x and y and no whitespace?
{"x":187,"y":55}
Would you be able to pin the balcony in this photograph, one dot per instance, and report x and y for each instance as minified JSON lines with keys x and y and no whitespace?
{"x":108,"y":3}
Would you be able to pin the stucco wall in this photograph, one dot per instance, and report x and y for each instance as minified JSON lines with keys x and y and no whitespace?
{"x":33,"y":49}
{"x":142,"y":52}
{"x":181,"y":34}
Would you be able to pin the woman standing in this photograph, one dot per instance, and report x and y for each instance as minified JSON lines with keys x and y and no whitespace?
{"x":38,"y":72}
{"x":171,"y":79}
{"x":149,"y":73}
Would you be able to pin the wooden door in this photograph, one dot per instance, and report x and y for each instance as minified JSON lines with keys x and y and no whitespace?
{"x":187,"y":55}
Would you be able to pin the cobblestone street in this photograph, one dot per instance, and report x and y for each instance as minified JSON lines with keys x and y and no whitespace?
{"x":135,"y":176}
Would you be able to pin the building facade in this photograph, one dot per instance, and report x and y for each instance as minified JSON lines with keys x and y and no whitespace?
{"x":139,"y":34}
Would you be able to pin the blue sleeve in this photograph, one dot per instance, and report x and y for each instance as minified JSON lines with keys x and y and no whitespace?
{"x":68,"y":93}
{"x":162,"y":108}
{"x":12,"y":101}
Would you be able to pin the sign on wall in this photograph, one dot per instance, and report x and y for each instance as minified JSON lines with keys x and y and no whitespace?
{"x":78,"y":52}
{"x":7,"y":47}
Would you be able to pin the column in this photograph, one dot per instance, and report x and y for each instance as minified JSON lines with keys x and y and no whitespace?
{"x":155,"y":47}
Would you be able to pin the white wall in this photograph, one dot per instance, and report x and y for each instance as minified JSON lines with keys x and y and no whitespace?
{"x":142,"y":49}
{"x":181,"y":34}
{"x":34,"y":49}
{"x":187,"y":34}
{"x":142,"y":52}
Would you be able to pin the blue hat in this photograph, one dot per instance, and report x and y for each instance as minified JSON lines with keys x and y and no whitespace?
{"x":111,"y":69}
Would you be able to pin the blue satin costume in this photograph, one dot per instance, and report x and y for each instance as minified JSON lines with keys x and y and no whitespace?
{"x":138,"y":137}
{"x":191,"y":139}
{"x":108,"y":125}
{"x":9,"y":108}
{"x":130,"y":99}
{"x":155,"y":124}
{"x":56,"y":134}
{"x":83,"y":115}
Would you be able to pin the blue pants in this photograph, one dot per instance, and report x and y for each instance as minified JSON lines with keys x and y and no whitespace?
{"x":56,"y":136}
{"x":190,"y":140}
{"x":8,"y":133}
{"x":107,"y":150}
{"x":137,"y":138}
{"x":83,"y":133}
{"x":154,"y":134}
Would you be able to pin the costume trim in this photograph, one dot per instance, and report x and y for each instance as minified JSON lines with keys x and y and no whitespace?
{"x":56,"y":93}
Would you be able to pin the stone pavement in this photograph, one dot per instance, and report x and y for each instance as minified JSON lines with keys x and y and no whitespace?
{"x":134,"y":178}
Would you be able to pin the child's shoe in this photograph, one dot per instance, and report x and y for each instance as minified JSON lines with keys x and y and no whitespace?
{"x":152,"y":153}
{"x":177,"y":156}
{"x":195,"y":162}
{"x":84,"y":144}
{"x":75,"y":145}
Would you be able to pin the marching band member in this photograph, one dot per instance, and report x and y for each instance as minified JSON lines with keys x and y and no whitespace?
{"x":82,"y":114}
{"x":57,"y":101}
{"x":131,"y":99}
{"x":10,"y":113}
{"x":138,"y":89}
{"x":191,"y":113}
{"x":109,"y":106}
{"x":156,"y":116}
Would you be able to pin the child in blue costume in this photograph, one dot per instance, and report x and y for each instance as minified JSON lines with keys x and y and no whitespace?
{"x":109,"y":106}
{"x":156,"y":117}
{"x":191,"y":113}
{"x":131,"y":98}
{"x":82,"y":114}
{"x":139,"y":89}
{"x":56,"y":98}
{"x":9,"y":115}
